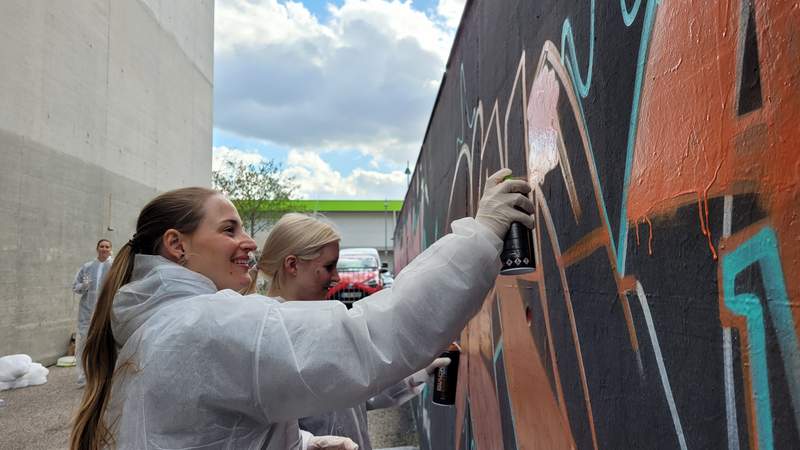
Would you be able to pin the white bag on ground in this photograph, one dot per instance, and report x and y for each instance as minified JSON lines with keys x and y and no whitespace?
{"x":14,"y":366}
{"x":17,"y":371}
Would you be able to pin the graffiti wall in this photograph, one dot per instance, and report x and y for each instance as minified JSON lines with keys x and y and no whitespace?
{"x":662,"y":139}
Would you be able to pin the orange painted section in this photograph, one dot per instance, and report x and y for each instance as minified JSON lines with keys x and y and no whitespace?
{"x":691,"y":143}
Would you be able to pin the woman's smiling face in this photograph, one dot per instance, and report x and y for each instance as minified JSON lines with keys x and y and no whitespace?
{"x":220,"y":248}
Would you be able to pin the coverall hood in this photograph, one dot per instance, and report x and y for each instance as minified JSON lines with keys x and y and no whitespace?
{"x":145,"y":295}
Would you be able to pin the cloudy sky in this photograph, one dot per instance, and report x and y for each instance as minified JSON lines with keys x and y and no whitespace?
{"x":338,"y":91}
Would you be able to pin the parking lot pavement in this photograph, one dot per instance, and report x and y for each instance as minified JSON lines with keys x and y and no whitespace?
{"x":39,"y":417}
{"x":392,"y":427}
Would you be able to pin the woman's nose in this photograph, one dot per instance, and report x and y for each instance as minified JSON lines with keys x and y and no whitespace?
{"x":248,"y":243}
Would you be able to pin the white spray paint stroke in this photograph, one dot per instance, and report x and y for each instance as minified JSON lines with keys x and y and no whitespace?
{"x":542,"y":114}
{"x":730,"y":397}
{"x":727,"y":348}
{"x":544,"y":155}
{"x":661,"y":369}
{"x":727,"y":210}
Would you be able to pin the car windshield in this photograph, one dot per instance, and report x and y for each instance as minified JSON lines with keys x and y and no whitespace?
{"x":354,"y":263}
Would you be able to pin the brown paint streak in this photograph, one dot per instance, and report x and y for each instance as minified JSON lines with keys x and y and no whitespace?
{"x":627,"y":284}
{"x":539,"y":422}
{"x":587,"y":245}
{"x":487,"y":429}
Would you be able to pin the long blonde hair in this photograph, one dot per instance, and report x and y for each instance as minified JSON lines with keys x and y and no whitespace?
{"x":295,"y":234}
{"x":181,"y":209}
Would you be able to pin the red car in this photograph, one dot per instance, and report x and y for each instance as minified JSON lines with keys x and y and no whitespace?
{"x":360,"y":272}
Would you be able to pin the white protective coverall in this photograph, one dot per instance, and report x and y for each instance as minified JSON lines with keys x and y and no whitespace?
{"x":352,"y":422}
{"x":205,"y":369}
{"x":88,"y":282}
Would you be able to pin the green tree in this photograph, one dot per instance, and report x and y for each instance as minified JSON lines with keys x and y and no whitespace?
{"x":260,"y":192}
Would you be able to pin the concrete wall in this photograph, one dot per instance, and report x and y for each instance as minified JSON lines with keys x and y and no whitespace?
{"x":102,"y":105}
{"x":662,"y":142}
{"x":361,"y":229}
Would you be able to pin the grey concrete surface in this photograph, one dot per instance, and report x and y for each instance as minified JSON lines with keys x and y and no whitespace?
{"x":39,"y":417}
{"x":102,"y":105}
{"x":392,"y":427}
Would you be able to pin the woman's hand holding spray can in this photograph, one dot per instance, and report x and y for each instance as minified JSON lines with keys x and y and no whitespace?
{"x":517,"y":255}
{"x":517,"y":258}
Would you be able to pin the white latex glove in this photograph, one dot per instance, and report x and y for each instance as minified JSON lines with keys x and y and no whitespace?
{"x":496,"y":210}
{"x":331,"y":443}
{"x":421,"y":377}
{"x":407,"y":389}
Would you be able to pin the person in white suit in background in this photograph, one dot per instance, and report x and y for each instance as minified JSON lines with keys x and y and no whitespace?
{"x":87,"y":284}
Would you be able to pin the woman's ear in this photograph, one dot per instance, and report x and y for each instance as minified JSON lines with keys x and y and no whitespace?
{"x":172,"y":245}
{"x":290,"y":265}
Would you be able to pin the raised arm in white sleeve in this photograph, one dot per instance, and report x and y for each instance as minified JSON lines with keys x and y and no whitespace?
{"x":327,"y":357}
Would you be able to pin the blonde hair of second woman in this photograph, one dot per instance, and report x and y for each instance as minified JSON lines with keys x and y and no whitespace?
{"x":301,"y":235}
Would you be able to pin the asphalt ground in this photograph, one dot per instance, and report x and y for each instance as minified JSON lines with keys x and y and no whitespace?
{"x":39,"y":417}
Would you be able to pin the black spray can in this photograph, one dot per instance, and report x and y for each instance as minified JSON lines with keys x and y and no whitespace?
{"x":517,"y":255}
{"x":445,"y":379}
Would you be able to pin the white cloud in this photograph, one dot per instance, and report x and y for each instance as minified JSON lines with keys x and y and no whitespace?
{"x":317,"y":180}
{"x":451,"y":11}
{"x":398,"y":19}
{"x":364,"y":79}
{"x":254,"y":24}
{"x":222,"y":154}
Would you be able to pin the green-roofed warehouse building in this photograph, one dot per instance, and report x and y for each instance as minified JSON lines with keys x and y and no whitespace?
{"x":362,"y":223}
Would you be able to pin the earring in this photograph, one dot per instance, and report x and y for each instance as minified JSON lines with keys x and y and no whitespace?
{"x":182,"y":259}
